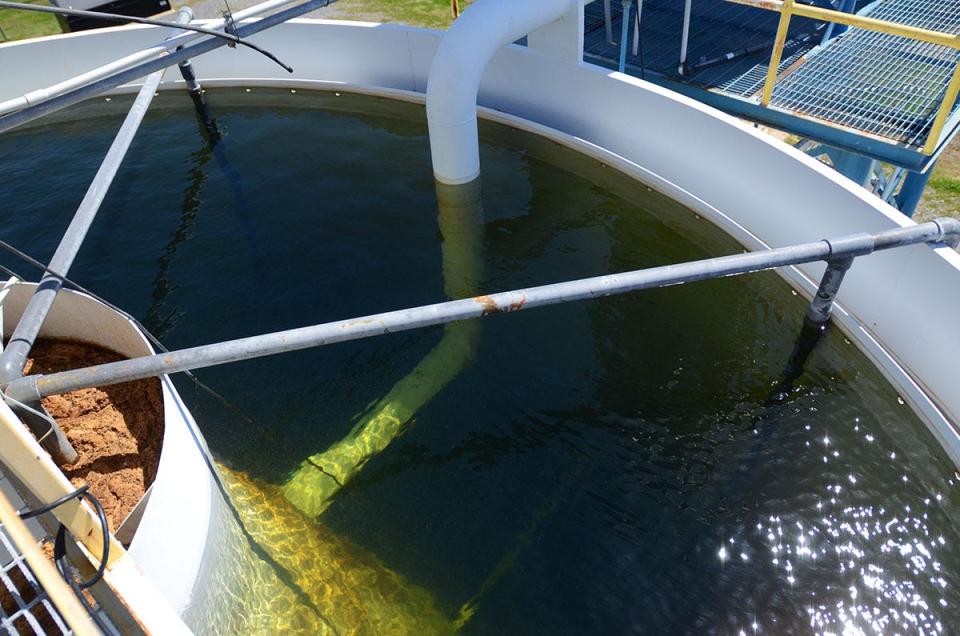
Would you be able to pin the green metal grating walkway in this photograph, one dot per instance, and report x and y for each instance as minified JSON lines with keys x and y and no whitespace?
{"x":878,"y":84}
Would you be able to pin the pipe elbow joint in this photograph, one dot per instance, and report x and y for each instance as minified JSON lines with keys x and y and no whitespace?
{"x":456,"y":71}
{"x":11,"y":368}
{"x":949,"y":231}
{"x":24,"y":390}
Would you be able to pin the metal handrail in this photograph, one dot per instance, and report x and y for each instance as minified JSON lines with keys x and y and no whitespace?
{"x":790,"y":8}
{"x":838,"y":253}
{"x":14,"y":357}
{"x":177,"y":40}
{"x":134,"y":73}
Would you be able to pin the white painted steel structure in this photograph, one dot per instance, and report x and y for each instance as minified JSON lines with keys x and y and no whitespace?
{"x":900,"y":307}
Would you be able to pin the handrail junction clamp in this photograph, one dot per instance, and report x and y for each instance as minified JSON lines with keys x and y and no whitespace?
{"x":230,"y":26}
{"x":949,"y":233}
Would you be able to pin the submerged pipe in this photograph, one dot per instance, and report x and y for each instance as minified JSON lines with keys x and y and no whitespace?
{"x":455,"y":74}
{"x":321,"y":476}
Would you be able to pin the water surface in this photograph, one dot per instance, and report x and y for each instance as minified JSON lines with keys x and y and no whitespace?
{"x":604,"y":467}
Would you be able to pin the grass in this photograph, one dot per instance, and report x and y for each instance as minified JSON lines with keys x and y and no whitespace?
{"x":20,"y":25}
{"x":945,"y":185}
{"x":942,"y":196}
{"x":434,"y":14}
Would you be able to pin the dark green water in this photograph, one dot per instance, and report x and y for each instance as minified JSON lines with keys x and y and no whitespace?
{"x":605,"y":467}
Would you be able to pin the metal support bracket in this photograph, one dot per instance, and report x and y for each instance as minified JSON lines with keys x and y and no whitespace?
{"x":624,"y":34}
{"x":230,"y":26}
{"x":185,"y":16}
{"x":819,"y":312}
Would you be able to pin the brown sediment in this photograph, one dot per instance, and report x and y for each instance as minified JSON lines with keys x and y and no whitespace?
{"x":116,"y":430}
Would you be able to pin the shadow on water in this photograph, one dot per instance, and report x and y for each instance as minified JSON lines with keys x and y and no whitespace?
{"x":210,"y":131}
{"x":156,"y":319}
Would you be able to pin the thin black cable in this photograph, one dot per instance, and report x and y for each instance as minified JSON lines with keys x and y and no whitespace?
{"x":56,"y":503}
{"x":116,"y":17}
{"x":60,"y":549}
{"x":83,"y":492}
{"x":60,"y":553}
{"x":9,"y":272}
{"x":60,"y":545}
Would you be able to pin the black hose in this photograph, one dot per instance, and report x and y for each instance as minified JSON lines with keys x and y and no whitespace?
{"x":116,"y":17}
{"x":83,"y":492}
{"x":56,"y":503}
{"x":60,"y":552}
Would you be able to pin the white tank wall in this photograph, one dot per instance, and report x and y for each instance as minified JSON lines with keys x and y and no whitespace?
{"x":174,"y":536}
{"x":901,"y":307}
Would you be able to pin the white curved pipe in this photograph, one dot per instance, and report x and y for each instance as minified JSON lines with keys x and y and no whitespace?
{"x":455,"y":74}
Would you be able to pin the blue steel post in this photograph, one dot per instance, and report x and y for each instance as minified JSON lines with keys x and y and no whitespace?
{"x":624,"y":34}
{"x":856,"y":167}
{"x":911,"y":191}
{"x":834,"y":29}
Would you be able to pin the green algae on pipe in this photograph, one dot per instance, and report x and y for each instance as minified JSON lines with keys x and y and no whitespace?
{"x":290,"y":574}
{"x":321,"y":476}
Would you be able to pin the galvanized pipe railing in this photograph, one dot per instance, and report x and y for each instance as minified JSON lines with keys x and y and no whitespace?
{"x":14,"y":357}
{"x":132,"y":74}
{"x":43,"y":94}
{"x":831,"y":250}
